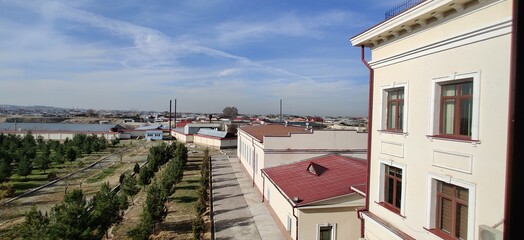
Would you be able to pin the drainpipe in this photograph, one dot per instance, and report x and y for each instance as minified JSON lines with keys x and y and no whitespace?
{"x":263,"y":185}
{"x":513,"y":179}
{"x":253,"y":160}
{"x":370,"y":117}
{"x":296,"y":221}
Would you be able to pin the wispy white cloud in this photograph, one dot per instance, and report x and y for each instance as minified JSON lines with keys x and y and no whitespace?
{"x":71,"y":54}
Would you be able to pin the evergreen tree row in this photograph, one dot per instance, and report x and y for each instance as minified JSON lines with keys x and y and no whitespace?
{"x":75,"y":217}
{"x":155,"y":210}
{"x":25,"y":153}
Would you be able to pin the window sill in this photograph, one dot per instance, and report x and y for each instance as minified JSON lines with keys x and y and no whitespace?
{"x":453,"y":138}
{"x":439,"y":233}
{"x":392,"y":132}
{"x":390,"y":208}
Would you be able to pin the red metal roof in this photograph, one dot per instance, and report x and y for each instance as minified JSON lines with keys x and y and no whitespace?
{"x":273,"y":130}
{"x":338,"y":175}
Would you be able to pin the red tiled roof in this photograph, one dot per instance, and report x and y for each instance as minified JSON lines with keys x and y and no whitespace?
{"x":273,"y":130}
{"x":338,"y":175}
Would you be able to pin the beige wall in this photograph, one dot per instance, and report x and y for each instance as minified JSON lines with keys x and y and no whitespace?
{"x":280,"y":206}
{"x":214,"y":142}
{"x":345,"y":219}
{"x":480,"y":165}
{"x":321,"y":139}
{"x":182,"y":137}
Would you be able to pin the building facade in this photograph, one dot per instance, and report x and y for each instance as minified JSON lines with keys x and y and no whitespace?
{"x":317,"y":198}
{"x":265,"y":146}
{"x":440,"y":84}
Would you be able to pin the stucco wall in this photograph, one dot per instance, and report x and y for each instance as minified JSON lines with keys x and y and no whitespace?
{"x":479,"y":164}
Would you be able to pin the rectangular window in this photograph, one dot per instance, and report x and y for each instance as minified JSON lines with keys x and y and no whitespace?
{"x":456,"y":108}
{"x":395,"y":109}
{"x":289,"y":223}
{"x":452,"y":210}
{"x":326,"y":232}
{"x":393,"y":187}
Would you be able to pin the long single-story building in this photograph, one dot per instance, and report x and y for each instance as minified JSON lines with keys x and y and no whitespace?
{"x":61,"y":131}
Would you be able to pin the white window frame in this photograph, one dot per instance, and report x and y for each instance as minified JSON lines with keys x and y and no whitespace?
{"x":384,"y":105}
{"x":256,"y":163}
{"x":432,"y":200}
{"x":380,"y":194}
{"x":434,"y":120}
{"x":289,"y":223}
{"x":333,"y":230}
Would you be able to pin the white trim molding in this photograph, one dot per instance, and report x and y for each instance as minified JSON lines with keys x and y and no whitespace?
{"x":488,"y":32}
{"x":333,"y":230}
{"x":434,"y":119}
{"x":383,"y":104}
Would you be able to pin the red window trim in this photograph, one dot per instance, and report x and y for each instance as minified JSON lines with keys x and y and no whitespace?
{"x":397,"y":127}
{"x":395,"y":179}
{"x":400,"y":132}
{"x":456,"y":114}
{"x":454,"y":201}
{"x":439,"y":233}
{"x":454,"y":137}
{"x":390,"y":208}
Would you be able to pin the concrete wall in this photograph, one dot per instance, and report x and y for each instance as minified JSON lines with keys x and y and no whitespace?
{"x":182,"y":137}
{"x":63,"y":135}
{"x":214,"y":142}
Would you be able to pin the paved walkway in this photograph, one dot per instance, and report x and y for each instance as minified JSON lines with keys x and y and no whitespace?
{"x":238,"y":210}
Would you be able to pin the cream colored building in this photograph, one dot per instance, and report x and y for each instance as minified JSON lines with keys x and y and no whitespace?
{"x":272,"y":145}
{"x":439,"y":121}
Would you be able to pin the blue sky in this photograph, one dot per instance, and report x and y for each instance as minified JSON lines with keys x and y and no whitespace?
{"x":207,"y":54}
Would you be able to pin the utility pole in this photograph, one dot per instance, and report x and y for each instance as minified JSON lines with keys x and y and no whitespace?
{"x":281,"y":118}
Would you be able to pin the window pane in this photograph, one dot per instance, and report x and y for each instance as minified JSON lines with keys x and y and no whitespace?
{"x":325,"y":233}
{"x":462,"y":194}
{"x":398,"y":194}
{"x":445,"y":215}
{"x":462,"y":222}
{"x":448,"y":116}
{"x":400,"y":114}
{"x":446,"y":189}
{"x":466,"y":88}
{"x":392,"y":115}
{"x":401,"y":94}
{"x":448,"y":90}
{"x":466,"y":107}
{"x":392,"y":95}
{"x":389,"y":190}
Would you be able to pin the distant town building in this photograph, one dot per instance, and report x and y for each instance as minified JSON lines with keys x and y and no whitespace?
{"x":61,"y":131}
